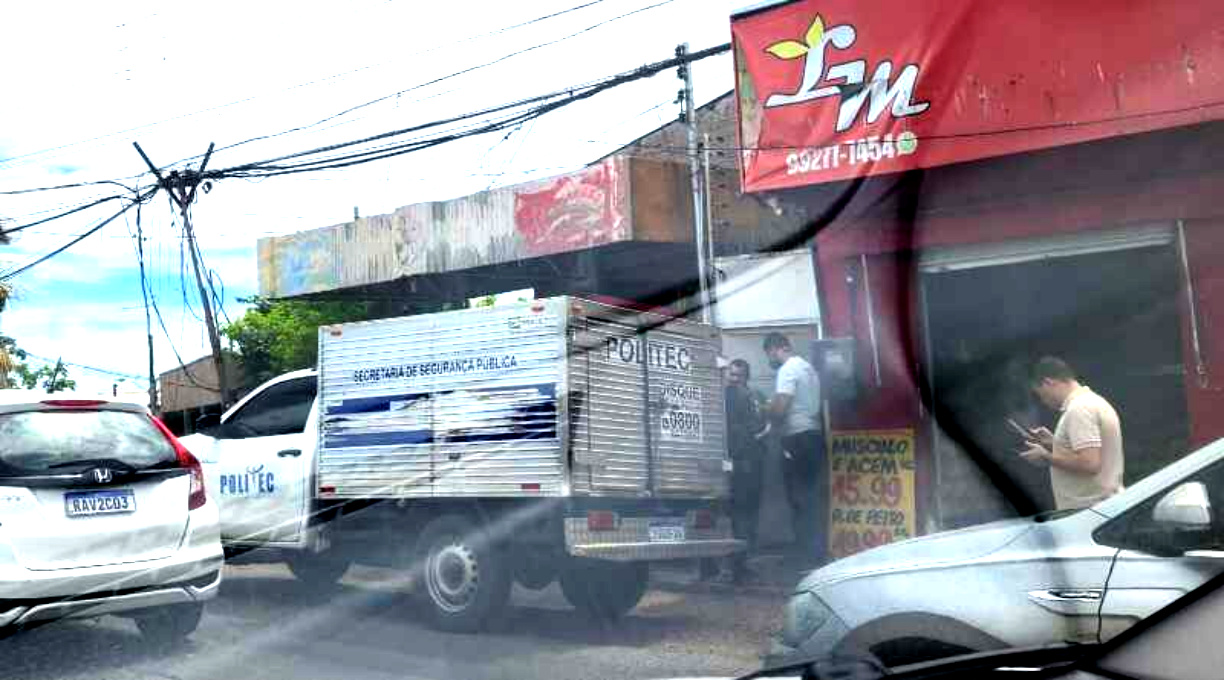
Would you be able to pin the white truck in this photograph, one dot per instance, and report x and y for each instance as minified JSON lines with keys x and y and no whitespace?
{"x":554,"y":440}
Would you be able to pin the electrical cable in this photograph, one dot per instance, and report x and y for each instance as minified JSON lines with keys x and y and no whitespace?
{"x":270,"y":168}
{"x":4,"y":162}
{"x":186,"y":371}
{"x":498,"y":60}
{"x":91,"y":204}
{"x":5,"y":276}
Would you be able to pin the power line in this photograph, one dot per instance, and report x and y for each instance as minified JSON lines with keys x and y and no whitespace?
{"x":73,"y":211}
{"x":7,"y":161}
{"x":186,"y":371}
{"x":5,"y":276}
{"x":104,"y":371}
{"x":57,"y":187}
{"x":498,"y":60}
{"x":546,"y":103}
{"x":439,"y":79}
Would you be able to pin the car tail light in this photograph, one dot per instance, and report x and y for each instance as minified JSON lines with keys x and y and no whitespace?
{"x":601,"y":520}
{"x":703,"y":519}
{"x":188,"y":462}
{"x":73,"y":403}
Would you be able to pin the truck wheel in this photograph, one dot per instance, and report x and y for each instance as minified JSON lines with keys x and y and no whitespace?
{"x":169,"y":626}
{"x":466,"y":576}
{"x":535,"y":567}
{"x":321,"y":572}
{"x":603,"y":590}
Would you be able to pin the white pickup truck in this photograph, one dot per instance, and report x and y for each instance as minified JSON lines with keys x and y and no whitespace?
{"x":554,"y":440}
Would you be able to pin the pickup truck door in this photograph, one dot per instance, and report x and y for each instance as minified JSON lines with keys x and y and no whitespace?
{"x":260,"y":464}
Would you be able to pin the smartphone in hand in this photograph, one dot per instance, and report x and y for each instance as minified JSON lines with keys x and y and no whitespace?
{"x":1024,"y":433}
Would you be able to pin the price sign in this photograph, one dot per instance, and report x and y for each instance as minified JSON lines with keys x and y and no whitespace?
{"x":872,"y":489}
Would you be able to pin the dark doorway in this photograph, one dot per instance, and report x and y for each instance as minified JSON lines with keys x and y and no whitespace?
{"x":1113,"y":316}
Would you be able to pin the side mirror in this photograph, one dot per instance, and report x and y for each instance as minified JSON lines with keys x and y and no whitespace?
{"x":207,"y":421}
{"x":1179,"y":522}
{"x":1185,"y":508}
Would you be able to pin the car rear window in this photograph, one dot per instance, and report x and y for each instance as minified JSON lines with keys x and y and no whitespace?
{"x":36,"y":441}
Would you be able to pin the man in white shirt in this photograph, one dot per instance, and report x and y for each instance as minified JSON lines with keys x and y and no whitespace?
{"x":795,"y":408}
{"x":1084,"y":452}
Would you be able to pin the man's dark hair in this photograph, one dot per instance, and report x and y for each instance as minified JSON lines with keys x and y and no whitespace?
{"x":743,"y":366}
{"x":1052,"y":368}
{"x":776,"y":340}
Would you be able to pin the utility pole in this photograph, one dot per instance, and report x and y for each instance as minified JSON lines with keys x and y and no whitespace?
{"x":144,"y":291}
{"x":182,"y":186}
{"x":688,"y":116}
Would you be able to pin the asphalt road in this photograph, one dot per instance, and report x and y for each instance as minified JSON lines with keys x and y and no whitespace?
{"x":267,"y":626}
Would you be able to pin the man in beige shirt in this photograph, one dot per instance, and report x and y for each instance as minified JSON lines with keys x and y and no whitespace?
{"x":1085,"y":450}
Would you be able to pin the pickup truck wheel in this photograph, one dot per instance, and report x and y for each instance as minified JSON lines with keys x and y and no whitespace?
{"x":319,"y":571}
{"x":603,"y":590}
{"x":535,"y":567}
{"x":466,"y":576}
{"x":169,"y":626}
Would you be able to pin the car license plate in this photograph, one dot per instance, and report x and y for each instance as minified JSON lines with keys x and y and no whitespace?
{"x":90,"y":503}
{"x":666,"y":532}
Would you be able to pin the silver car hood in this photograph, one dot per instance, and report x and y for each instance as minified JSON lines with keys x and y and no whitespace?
{"x":946,"y":547}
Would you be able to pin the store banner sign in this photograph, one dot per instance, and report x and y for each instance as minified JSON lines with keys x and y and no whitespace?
{"x":834,"y":89}
{"x":871,"y":474}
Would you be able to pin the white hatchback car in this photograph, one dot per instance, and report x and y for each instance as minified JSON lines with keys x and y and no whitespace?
{"x":102,"y":511}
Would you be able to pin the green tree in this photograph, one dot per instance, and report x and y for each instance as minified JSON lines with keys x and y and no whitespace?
{"x":12,"y":359}
{"x":278,"y":336}
{"x":51,"y":378}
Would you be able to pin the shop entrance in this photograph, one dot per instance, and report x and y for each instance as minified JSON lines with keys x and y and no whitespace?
{"x":1108,"y":306}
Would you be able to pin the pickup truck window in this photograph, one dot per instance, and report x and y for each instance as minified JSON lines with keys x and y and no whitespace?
{"x":280,"y":409}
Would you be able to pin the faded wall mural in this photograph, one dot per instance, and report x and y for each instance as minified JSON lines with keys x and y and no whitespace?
{"x":582,"y":209}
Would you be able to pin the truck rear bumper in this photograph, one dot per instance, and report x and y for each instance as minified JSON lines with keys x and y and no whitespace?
{"x":647,"y":539}
{"x":636,"y":552}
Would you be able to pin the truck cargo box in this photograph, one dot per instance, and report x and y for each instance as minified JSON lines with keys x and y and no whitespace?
{"x":560,"y":397}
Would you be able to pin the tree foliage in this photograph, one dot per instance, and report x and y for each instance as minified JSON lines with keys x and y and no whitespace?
{"x":15,"y":372}
{"x":278,"y":336}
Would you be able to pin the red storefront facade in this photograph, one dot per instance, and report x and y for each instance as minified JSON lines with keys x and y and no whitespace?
{"x":1057,"y":193}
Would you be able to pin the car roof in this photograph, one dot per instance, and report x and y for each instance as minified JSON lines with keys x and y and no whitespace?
{"x":21,"y":400}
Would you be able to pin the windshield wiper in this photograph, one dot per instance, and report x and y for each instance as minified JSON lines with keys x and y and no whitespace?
{"x":867,"y":667}
{"x":837,"y":666}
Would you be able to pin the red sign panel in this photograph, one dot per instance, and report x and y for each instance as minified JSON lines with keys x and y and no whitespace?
{"x":579,"y":210}
{"x":834,"y":89}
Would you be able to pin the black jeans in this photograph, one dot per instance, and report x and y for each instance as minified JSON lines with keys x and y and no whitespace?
{"x":807,"y":490}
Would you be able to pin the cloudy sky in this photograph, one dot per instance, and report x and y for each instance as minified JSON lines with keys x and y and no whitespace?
{"x":82,"y":81}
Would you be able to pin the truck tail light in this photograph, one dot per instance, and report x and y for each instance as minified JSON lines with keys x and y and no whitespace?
{"x":601,"y":520}
{"x":196,"y":497}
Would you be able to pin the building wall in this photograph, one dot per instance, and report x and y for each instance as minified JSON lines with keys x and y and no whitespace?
{"x":195,"y":385}
{"x":880,"y":226}
{"x":587,"y":208}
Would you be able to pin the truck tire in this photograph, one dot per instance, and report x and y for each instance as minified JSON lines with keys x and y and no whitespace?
{"x":170,"y":625}
{"x":466,"y":577}
{"x":603,"y":590}
{"x":319,"y":571}
{"x":535,"y":567}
